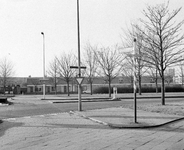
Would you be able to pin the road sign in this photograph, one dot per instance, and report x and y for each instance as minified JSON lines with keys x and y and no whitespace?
{"x":44,"y":80}
{"x":79,"y":80}
{"x":76,"y":67}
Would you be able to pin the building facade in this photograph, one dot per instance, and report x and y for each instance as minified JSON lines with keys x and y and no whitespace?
{"x":34,"y":85}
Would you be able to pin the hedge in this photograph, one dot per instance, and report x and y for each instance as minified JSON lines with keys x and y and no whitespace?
{"x":143,"y":89}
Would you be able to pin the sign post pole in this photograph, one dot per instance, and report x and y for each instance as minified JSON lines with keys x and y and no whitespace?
{"x":135,"y":86}
{"x":79,"y":80}
{"x":79,"y":67}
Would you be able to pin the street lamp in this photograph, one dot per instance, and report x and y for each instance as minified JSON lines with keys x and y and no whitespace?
{"x":43,"y":65}
{"x":79,"y":67}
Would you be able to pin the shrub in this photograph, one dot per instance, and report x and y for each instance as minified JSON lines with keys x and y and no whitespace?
{"x":105,"y":90}
{"x":3,"y":100}
{"x":101,"y":90}
{"x":174,"y":89}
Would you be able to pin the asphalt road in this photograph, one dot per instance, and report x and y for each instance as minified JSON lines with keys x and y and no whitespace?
{"x":31,"y":109}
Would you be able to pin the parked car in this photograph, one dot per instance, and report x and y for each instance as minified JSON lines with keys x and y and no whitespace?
{"x":87,"y":92}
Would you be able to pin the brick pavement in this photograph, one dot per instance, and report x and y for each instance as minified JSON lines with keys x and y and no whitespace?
{"x":119,"y":117}
{"x":67,"y":131}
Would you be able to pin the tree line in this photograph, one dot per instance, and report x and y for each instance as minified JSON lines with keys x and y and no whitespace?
{"x":159,"y":45}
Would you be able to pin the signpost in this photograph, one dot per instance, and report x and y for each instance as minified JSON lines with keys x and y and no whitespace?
{"x":115,"y":92}
{"x":79,"y":80}
{"x":43,"y":81}
{"x":135,"y":86}
{"x":79,"y":66}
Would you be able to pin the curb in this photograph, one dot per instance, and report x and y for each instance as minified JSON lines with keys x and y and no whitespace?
{"x":144,"y":126}
{"x":93,"y":100}
{"x":76,"y":98}
{"x":101,"y":99}
{"x":151,"y":97}
{"x":92,"y":119}
{"x":136,"y":126}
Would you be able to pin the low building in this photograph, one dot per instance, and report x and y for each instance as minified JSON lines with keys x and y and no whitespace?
{"x":34,"y":85}
{"x":14,"y":85}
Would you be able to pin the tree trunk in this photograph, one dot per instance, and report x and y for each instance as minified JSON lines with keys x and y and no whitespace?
{"x":132,"y":81}
{"x":156,"y":84}
{"x":68,"y":91}
{"x":55,"y":85}
{"x":163,"y":91}
{"x":140,"y":88}
{"x":91,"y":87}
{"x":162,"y":76}
{"x":156,"y":81}
{"x":4,"y":89}
{"x":109,"y":89}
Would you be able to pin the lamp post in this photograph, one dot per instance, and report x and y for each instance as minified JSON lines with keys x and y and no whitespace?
{"x":43,"y":64}
{"x":135,"y":80}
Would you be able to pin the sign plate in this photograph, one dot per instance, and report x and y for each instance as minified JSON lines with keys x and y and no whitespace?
{"x":79,"y":80}
{"x":44,"y":80}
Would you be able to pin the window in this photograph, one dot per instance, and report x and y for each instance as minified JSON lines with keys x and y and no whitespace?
{"x":120,"y":80}
{"x":39,"y":89}
{"x":53,"y":88}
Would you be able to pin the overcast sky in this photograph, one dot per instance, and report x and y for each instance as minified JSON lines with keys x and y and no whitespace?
{"x":101,"y":22}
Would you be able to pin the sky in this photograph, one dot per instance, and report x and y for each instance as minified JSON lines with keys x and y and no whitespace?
{"x":101,"y":23}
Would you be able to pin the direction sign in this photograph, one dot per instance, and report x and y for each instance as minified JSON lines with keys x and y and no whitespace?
{"x":79,"y":80}
{"x":44,"y":80}
{"x":76,"y":67}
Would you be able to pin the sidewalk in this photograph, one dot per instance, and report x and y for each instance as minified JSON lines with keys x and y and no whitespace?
{"x":124,"y":118}
{"x":92,"y":130}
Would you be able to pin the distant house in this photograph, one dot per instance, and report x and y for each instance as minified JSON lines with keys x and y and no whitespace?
{"x":34,"y":85}
{"x":15,"y":85}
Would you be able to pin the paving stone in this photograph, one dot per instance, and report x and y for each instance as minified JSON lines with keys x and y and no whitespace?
{"x":71,"y":132}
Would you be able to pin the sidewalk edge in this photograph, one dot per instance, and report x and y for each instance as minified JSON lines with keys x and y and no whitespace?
{"x":136,"y":126}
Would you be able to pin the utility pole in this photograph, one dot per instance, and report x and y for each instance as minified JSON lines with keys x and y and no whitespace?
{"x":79,"y":67}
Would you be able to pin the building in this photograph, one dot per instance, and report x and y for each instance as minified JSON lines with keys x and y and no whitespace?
{"x":15,"y":85}
{"x":34,"y":85}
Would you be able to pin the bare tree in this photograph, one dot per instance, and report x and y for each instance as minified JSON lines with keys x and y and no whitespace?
{"x":64,"y":63}
{"x":53,"y":71}
{"x":163,"y":39}
{"x":6,"y":71}
{"x":127,"y":70}
{"x":181,"y":71}
{"x":153,"y":73}
{"x":109,"y":62}
{"x":90,"y":63}
{"x":152,"y":64}
{"x":127,"y":40}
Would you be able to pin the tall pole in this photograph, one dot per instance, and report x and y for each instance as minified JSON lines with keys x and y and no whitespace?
{"x":43,"y":64}
{"x":135,"y":86}
{"x":79,"y":67}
